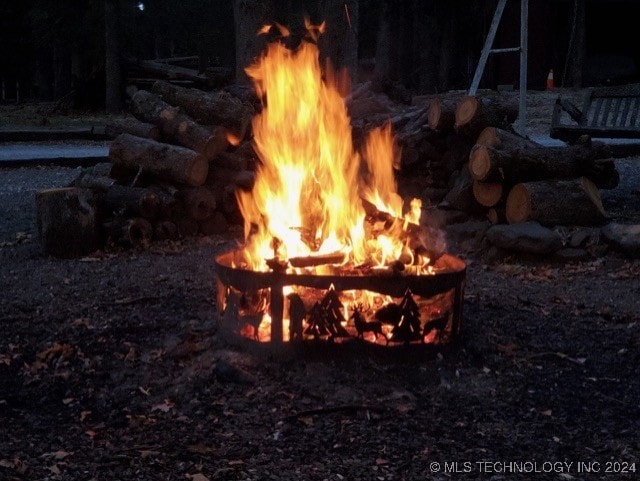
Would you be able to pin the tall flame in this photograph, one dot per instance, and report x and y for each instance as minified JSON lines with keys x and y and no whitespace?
{"x":307,"y":195}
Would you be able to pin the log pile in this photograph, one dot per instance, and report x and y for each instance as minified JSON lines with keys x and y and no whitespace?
{"x":176,"y":164}
{"x":172,"y":173}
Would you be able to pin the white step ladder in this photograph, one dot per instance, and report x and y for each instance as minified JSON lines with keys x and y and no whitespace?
{"x":522,"y":49}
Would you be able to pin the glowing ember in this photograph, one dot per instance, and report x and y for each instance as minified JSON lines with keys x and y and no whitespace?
{"x":308,"y":197}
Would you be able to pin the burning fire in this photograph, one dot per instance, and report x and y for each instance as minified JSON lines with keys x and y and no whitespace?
{"x":313,"y":196}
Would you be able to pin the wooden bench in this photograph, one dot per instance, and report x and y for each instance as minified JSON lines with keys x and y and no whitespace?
{"x":607,"y":112}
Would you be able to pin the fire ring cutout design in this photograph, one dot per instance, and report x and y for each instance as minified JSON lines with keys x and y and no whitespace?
{"x":380,"y":307}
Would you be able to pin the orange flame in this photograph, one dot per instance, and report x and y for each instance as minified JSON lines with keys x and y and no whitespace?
{"x":307,"y":195}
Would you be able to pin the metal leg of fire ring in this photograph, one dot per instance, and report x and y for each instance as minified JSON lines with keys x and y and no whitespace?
{"x":277,"y":313}
{"x":522,"y":49}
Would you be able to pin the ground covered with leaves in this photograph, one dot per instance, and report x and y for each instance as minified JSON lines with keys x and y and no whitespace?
{"x":111,"y":367}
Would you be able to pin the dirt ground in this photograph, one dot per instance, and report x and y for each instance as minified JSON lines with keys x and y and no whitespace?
{"x":111,"y":369}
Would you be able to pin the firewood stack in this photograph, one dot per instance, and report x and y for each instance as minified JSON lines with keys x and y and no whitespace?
{"x":468,"y":145}
{"x":173,"y":171}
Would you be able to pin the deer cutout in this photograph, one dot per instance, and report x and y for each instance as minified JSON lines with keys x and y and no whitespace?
{"x":363,"y":326}
{"x":439,"y":324}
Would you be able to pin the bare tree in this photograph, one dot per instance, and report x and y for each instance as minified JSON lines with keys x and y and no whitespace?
{"x":113,"y":68}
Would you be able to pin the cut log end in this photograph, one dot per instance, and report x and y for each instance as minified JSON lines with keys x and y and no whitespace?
{"x":198,"y":171}
{"x":518,"y":204}
{"x":466,"y":110}
{"x":480,"y":162}
{"x":489,"y":137}
{"x":433,"y":115}
{"x":487,"y":194}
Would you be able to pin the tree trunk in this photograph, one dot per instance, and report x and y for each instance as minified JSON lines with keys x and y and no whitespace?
{"x":460,"y":196}
{"x":339,"y":43}
{"x":514,"y":165}
{"x":208,"y":108}
{"x":67,"y":221}
{"x":497,"y":215}
{"x":177,"y":127}
{"x":578,"y":51}
{"x":169,"y":162}
{"x":249,"y":17}
{"x":113,"y":69}
{"x":556,"y":202}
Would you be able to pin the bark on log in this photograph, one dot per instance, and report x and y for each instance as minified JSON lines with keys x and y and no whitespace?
{"x":503,"y":139}
{"x":187,"y":227}
{"x":129,"y":232}
{"x":556,"y":202}
{"x":497,"y":215}
{"x":169,"y":162}
{"x":489,"y":164}
{"x":96,"y":177}
{"x":488,"y":194}
{"x":67,"y":221}
{"x":199,"y":202}
{"x":165,"y":230}
{"x":214,"y":225}
{"x":208,"y":108}
{"x":442,"y":115}
{"x":178,"y":127}
{"x":132,"y":126}
{"x":136,"y":201}
{"x":473,"y":114}
{"x":460,"y":196}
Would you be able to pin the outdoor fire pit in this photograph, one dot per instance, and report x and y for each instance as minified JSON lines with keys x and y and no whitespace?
{"x":380,"y":307}
{"x":332,"y":252}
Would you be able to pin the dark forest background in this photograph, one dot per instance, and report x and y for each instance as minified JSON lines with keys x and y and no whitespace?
{"x":63,"y":49}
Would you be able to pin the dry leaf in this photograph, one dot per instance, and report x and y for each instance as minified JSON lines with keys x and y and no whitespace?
{"x":307,"y":420}
{"x":236,"y":462}
{"x":165,"y":407}
{"x":84,"y":415}
{"x":146,"y":454}
{"x":197,"y":477}
{"x":546,"y":412}
{"x":55,"y":469}
{"x":5,"y":463}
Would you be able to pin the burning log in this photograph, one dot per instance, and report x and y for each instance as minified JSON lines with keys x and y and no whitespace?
{"x":515,"y":164}
{"x":199,"y":202}
{"x":169,"y":162}
{"x":208,"y":108}
{"x":132,"y":126}
{"x":318,"y":260}
{"x":137,"y":201}
{"x":473,"y":114}
{"x":177,"y":127}
{"x":442,"y":115}
{"x":67,"y":221}
{"x":130,"y":232}
{"x":556,"y":202}
{"x":488,"y":194}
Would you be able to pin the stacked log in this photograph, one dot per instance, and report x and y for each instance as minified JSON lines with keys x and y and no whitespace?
{"x":519,"y":180}
{"x":172,"y":173}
